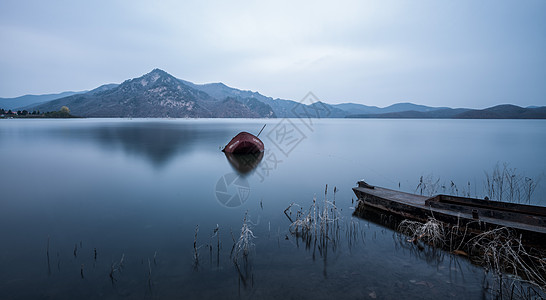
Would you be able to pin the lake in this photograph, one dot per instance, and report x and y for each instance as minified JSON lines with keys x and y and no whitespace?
{"x":109,"y":207}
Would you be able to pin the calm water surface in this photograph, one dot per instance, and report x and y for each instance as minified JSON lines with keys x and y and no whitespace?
{"x":137,"y":189}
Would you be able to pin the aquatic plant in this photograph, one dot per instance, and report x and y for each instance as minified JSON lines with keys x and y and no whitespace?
{"x":517,"y":270}
{"x":149,"y":274}
{"x":431,"y":232}
{"x":240,"y":253}
{"x":196,"y":249}
{"x":244,"y":243}
{"x":112,"y":270}
{"x":503,"y":253}
{"x":316,"y":223}
{"x":216,"y":233}
{"x":506,"y":184}
{"x":353,"y":232}
{"x":501,"y":184}
{"x":428,"y":185}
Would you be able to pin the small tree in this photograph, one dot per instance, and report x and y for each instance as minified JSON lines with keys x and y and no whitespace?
{"x":65,"y":109}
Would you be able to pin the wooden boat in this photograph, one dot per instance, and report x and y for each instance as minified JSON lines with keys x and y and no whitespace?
{"x":244,"y":143}
{"x":476,"y":214}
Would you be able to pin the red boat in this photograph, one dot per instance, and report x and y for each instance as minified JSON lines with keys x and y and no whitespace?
{"x":244,"y":143}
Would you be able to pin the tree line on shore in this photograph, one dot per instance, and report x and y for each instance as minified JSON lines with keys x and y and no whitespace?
{"x":64,"y":112}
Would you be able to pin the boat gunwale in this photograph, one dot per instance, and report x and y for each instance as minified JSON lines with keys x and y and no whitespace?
{"x":244,"y":143}
{"x":413,"y":208}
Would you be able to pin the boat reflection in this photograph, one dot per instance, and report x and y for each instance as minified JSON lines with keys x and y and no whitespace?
{"x":244,"y":163}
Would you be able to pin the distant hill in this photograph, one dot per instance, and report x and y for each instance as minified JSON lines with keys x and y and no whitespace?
{"x":406,"y":106}
{"x":496,"y":112}
{"x":157,"y":94}
{"x":23,"y":101}
{"x":282,"y":108}
{"x":359,"y":109}
{"x":355,"y":109}
{"x":506,"y":111}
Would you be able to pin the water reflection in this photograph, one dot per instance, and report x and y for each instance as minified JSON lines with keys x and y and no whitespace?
{"x":158,"y":142}
{"x":243,"y":164}
{"x":155,"y":142}
{"x":452,"y":263}
{"x":90,"y":180}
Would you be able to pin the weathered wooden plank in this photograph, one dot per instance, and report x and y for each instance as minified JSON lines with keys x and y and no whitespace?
{"x":476,"y":214}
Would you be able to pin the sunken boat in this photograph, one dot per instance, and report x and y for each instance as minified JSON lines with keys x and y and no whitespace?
{"x":245,"y":143}
{"x":478,"y":215}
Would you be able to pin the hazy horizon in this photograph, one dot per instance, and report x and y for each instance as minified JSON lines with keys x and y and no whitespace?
{"x":456,"y":54}
{"x":347,"y":102}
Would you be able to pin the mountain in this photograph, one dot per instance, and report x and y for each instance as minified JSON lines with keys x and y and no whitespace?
{"x":354,"y":109}
{"x":496,"y":112}
{"x":104,"y":87}
{"x":157,"y":94}
{"x":406,"y":106}
{"x":505,"y":111}
{"x":24,"y":101}
{"x":282,"y":108}
{"x":359,"y":109}
{"x":443,"y":113}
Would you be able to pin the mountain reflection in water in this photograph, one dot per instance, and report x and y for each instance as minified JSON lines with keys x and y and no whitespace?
{"x":158,"y":142}
{"x":129,"y":204}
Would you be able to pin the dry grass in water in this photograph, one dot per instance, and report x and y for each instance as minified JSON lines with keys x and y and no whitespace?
{"x":240,"y":252}
{"x":317,"y":226}
{"x":518,"y":271}
{"x":244,"y":243}
{"x":431,"y":232}
{"x":503,"y":253}
{"x":503,"y":183}
{"x":506,"y":184}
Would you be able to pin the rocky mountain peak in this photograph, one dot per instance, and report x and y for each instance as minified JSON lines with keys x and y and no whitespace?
{"x":156,"y":75}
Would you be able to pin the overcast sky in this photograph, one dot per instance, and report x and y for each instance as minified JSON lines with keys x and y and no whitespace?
{"x":440,"y":53}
